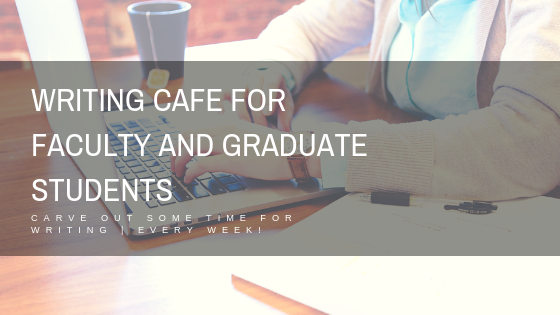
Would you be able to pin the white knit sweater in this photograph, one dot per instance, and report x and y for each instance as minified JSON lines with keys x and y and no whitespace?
{"x":508,"y":148}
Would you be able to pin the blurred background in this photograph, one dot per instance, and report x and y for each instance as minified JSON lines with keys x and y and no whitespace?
{"x":110,"y":36}
{"x":109,"y":32}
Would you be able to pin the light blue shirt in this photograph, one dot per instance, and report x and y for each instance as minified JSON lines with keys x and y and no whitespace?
{"x":431,"y":72}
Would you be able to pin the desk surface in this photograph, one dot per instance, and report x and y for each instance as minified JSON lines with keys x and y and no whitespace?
{"x":66,"y":284}
{"x":135,"y":284}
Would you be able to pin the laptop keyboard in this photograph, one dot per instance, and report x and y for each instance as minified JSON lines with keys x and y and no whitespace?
{"x":133,"y":166}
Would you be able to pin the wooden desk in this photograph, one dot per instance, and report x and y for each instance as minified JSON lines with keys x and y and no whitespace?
{"x":132,"y":284}
{"x":65,"y":284}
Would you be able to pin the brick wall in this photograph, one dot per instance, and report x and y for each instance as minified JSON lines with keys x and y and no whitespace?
{"x":109,"y":34}
{"x":11,"y":34}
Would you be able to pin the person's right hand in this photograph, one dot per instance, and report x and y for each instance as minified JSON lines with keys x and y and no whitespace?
{"x":264,"y":80}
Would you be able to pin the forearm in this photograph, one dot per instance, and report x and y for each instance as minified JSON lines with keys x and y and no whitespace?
{"x":505,"y":151}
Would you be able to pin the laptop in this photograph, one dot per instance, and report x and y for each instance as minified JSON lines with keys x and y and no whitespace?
{"x":58,"y":49}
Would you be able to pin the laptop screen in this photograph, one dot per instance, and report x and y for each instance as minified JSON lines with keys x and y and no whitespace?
{"x":57,"y":45}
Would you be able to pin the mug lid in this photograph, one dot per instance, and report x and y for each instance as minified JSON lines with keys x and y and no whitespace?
{"x":135,"y":8}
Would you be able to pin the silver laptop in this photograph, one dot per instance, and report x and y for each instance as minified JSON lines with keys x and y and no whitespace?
{"x":54,"y":33}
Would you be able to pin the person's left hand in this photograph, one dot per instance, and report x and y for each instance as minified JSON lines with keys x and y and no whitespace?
{"x":268,"y":167}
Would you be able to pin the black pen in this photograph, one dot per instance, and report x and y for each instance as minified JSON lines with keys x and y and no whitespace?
{"x":408,"y":200}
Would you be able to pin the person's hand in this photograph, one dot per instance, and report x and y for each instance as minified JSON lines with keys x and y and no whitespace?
{"x":268,"y":167}
{"x":263,"y":80}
